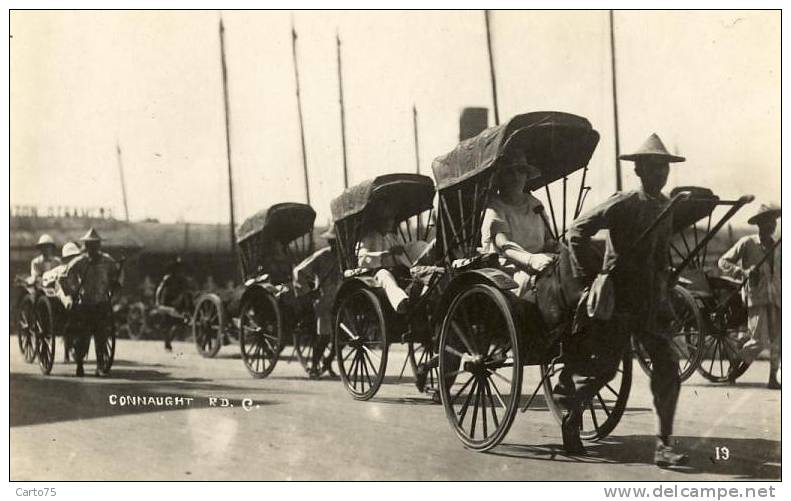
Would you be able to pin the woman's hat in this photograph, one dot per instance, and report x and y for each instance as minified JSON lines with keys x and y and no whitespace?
{"x":652,"y":147}
{"x":45,"y":240}
{"x":770,"y":211}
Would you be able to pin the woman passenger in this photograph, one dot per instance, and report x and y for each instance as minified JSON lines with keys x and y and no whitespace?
{"x":514,"y":224}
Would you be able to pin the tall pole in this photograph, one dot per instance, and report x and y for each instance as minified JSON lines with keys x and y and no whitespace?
{"x":228,"y":140}
{"x":343,"y":114}
{"x":618,"y":179}
{"x":123,"y":182}
{"x":491,"y":68}
{"x":417,"y":148}
{"x":299,"y":112}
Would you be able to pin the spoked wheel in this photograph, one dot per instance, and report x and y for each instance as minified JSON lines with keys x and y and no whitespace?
{"x":361,"y":343}
{"x":136,"y":321}
{"x":105,"y":355}
{"x":687,"y":331}
{"x":604,"y":411}
{"x":208,"y":323}
{"x":45,"y":335}
{"x":721,"y":360}
{"x":420,"y":353}
{"x":480,"y":367}
{"x":314,"y":352}
{"x":25,"y":328}
{"x":260,"y":334}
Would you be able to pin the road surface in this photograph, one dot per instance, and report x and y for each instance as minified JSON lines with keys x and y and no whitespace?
{"x":68,"y":428}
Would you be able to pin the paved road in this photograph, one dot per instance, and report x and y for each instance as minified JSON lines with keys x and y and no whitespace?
{"x":63,"y":427}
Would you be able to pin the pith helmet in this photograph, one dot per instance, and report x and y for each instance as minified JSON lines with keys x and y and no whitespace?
{"x":70,"y":249}
{"x":45,"y":240}
{"x":652,"y":147}
{"x":91,"y":236}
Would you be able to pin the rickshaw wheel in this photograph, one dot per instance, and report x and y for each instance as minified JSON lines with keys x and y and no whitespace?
{"x":136,"y":321}
{"x":361,"y":343}
{"x":420,"y":352}
{"x":25,"y":328}
{"x":306,"y":344}
{"x":720,"y":360}
{"x":45,"y":335}
{"x":260,"y":334}
{"x":478,"y":340}
{"x":604,"y":411}
{"x":208,"y":323}
{"x":687,"y":331}
{"x":105,"y":355}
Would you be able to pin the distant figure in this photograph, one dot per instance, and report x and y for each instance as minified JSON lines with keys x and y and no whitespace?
{"x":148,"y":290}
{"x":46,"y":260}
{"x":211,"y":285}
{"x":757,"y":257}
{"x":91,"y":280}
{"x":173,"y":293}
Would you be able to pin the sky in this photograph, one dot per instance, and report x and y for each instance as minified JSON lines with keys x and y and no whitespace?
{"x":707,"y":82}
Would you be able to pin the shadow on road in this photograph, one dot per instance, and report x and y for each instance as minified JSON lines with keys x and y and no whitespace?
{"x":37,"y":399}
{"x":748,"y":458}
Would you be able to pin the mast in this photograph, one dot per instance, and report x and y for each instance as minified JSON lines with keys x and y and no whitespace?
{"x":299,"y":112}
{"x":417,"y":147}
{"x":491,"y":68}
{"x":343,"y":114}
{"x":123,"y":182}
{"x":232,"y":229}
{"x":618,"y":179}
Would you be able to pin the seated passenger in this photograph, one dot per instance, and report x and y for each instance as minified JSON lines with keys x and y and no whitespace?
{"x":44,"y":261}
{"x":54,"y":278}
{"x":381,"y":248}
{"x":515,"y":226}
{"x":278,"y":263}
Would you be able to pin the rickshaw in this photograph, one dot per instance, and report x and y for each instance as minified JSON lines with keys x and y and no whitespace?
{"x":487,"y":335}
{"x":264,"y":314}
{"x":52,"y":319}
{"x":365,"y":322}
{"x":709,"y":317}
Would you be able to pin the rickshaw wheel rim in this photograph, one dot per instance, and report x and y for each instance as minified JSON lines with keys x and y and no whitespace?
{"x":273,"y":347}
{"x":363,"y":357}
{"x":446,"y":371}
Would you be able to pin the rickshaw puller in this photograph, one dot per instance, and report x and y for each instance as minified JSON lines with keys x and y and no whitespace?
{"x":92,"y":279}
{"x":763,"y":287}
{"x":319,"y":275}
{"x":640,"y":287}
{"x":173,"y":292}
